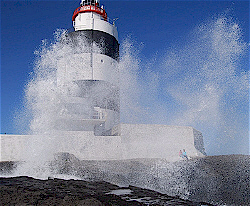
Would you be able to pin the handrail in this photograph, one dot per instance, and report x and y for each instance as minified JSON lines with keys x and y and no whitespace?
{"x":95,"y":115}
{"x":89,"y":8}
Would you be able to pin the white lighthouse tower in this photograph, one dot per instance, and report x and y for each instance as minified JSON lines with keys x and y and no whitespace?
{"x":90,"y":77}
{"x":86,"y":111}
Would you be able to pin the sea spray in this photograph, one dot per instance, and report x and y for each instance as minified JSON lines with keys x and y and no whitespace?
{"x":45,"y":100}
{"x":212,"y":86}
{"x":191,"y":86}
{"x":130,"y":88}
{"x":202,"y":82}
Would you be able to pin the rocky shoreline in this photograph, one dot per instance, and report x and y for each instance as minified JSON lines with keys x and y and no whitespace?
{"x":29,"y":191}
{"x":218,"y":180}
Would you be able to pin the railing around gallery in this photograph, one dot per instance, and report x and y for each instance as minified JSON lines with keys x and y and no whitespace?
{"x":95,"y":9}
{"x":90,"y":8}
{"x":91,"y":115}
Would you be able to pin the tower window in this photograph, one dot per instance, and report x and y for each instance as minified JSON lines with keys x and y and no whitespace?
{"x":89,"y":2}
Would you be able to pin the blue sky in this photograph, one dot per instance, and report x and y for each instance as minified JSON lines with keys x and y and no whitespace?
{"x":156,"y":27}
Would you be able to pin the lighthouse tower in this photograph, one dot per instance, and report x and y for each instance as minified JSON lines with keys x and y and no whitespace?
{"x":89,"y":76}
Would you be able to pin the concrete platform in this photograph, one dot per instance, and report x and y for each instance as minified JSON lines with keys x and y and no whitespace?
{"x":135,"y":141}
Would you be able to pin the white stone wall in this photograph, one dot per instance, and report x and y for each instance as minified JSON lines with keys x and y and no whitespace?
{"x":158,"y":141}
{"x":12,"y":147}
{"x":135,"y":141}
{"x":85,"y":145}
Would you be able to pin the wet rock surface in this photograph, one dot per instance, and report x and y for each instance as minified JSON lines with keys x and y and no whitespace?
{"x":30,"y":191}
{"x":7,"y":167}
{"x":218,"y":180}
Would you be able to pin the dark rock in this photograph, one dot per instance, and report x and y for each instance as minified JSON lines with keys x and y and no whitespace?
{"x":7,"y":167}
{"x":218,"y":180}
{"x":29,"y":191}
{"x":221,"y":179}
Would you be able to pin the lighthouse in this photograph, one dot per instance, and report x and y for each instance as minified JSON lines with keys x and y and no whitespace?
{"x":89,"y":79}
{"x":80,"y":100}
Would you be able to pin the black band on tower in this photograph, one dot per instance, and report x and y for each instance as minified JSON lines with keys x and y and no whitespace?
{"x":108,"y":45}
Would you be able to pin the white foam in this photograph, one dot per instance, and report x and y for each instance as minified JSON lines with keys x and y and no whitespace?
{"x":120,"y":192}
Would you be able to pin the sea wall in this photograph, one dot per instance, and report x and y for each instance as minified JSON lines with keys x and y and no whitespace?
{"x":12,"y":146}
{"x":135,"y":141}
{"x":160,"y":141}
